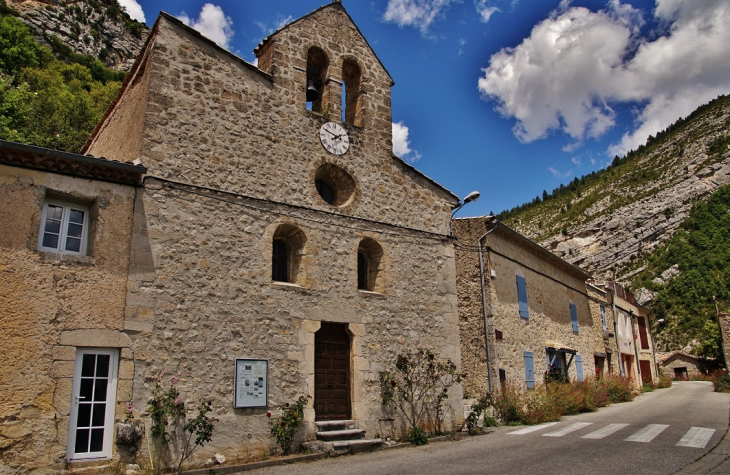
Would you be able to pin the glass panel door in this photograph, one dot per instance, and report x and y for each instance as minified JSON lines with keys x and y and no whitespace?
{"x":92,"y":406}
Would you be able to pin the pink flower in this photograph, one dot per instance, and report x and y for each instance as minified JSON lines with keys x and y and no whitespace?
{"x":177,"y":401}
{"x":174,"y":379}
{"x":268,"y":414}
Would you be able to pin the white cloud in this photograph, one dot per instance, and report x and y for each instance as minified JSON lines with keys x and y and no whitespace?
{"x":576,"y":160}
{"x":575,"y":64}
{"x":418,"y":13}
{"x":212,"y":23}
{"x":558,"y":174}
{"x":485,"y":11}
{"x":402,"y":145}
{"x":279,"y":23}
{"x":133,"y":9}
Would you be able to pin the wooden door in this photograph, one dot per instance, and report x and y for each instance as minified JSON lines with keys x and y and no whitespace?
{"x":645,"y":368}
{"x":332,"y":372}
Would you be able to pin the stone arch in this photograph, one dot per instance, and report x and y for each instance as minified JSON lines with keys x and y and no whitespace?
{"x":369,"y":265}
{"x":287,"y":249}
{"x":317,"y":70}
{"x":352,"y":104}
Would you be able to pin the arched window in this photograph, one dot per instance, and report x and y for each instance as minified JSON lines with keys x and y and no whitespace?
{"x":351,"y":110}
{"x":369,"y":254}
{"x":317,"y":64}
{"x":286,"y":253}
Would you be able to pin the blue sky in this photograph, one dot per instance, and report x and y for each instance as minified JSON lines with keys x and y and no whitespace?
{"x":511,"y":97}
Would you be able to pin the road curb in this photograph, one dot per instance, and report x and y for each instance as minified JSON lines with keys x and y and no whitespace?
{"x":712,"y":459}
{"x":233,"y":469}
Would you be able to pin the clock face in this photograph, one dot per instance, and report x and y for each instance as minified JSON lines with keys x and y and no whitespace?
{"x":334,"y":138}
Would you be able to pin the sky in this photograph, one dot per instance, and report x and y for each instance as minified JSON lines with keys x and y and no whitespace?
{"x":511,"y":97}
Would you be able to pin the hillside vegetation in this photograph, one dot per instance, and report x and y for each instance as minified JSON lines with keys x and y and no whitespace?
{"x":47,"y":101}
{"x":698,"y":255}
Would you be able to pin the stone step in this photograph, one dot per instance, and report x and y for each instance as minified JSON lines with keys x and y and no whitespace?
{"x":345,"y":434}
{"x":355,"y":446}
{"x":323,"y":426}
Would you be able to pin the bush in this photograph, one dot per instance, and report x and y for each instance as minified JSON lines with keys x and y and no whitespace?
{"x":284,"y":427}
{"x":551,"y":401}
{"x":664,"y":382}
{"x":721,"y":380}
{"x":417,"y":436}
{"x":647,"y":388}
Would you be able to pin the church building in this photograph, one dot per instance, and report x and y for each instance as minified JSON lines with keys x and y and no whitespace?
{"x":279,"y":248}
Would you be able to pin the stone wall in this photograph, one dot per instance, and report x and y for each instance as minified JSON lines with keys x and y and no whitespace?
{"x":689,"y":363}
{"x":51,"y":304}
{"x":551,"y":287}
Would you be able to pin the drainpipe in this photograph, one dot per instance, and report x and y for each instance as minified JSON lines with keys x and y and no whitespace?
{"x":653,"y":351}
{"x":621,"y":369}
{"x":636,"y":349}
{"x":484,"y":305}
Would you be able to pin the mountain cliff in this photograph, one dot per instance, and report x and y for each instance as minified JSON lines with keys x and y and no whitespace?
{"x":604,"y":221}
{"x":98,"y":28}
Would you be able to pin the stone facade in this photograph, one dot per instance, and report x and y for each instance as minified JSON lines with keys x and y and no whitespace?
{"x":234,"y":159}
{"x":52,"y":303}
{"x":679,"y":365}
{"x":546,"y":327}
{"x":634,"y":340}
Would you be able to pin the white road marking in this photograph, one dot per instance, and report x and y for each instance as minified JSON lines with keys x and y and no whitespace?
{"x":697,"y":437}
{"x":647,"y":434}
{"x":529,"y":429}
{"x":568,"y":430}
{"x":605,"y":432}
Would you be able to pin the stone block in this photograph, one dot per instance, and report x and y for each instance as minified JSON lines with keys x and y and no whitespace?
{"x":64,"y":353}
{"x":62,"y":369}
{"x":132,"y":326}
{"x":96,"y":338}
{"x":126,"y":369}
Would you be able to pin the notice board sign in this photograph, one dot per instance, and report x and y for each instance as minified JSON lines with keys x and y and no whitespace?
{"x":251,"y":383}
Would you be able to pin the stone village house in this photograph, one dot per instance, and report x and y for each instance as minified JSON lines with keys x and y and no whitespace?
{"x":541,"y":312}
{"x":275,"y":248}
{"x":64,"y":255}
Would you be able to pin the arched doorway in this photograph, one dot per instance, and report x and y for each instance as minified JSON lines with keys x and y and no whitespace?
{"x":332,"y":372}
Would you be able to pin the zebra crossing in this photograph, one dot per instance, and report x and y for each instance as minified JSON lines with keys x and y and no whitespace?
{"x":695,"y":437}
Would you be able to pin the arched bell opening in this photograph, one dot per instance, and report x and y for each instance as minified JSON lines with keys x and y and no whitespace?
{"x":317,"y":65}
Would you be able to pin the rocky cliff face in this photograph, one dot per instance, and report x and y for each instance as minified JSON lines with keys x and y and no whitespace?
{"x":99,"y":28}
{"x":633,"y":207}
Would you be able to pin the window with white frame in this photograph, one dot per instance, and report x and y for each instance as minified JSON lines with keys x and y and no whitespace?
{"x":604,"y":323}
{"x":64,"y":228}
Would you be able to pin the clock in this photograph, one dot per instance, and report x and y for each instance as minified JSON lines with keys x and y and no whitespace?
{"x":334,"y":138}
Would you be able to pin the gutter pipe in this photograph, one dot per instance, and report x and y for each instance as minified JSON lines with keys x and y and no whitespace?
{"x":484,"y":305}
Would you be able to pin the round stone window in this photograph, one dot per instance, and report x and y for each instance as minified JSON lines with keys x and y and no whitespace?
{"x":334,"y":185}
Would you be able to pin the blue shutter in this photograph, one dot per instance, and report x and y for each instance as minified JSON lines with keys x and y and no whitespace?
{"x":574,"y":317}
{"x":529,"y":370}
{"x":522,"y":297}
{"x":579,"y":366}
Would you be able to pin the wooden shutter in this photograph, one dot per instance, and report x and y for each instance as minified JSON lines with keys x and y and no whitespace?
{"x":579,"y":366}
{"x":642,"y":333}
{"x":529,"y":370}
{"x":574,"y":317}
{"x":522,"y":297}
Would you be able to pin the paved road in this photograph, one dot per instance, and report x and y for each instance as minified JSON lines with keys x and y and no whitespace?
{"x":659,"y":433}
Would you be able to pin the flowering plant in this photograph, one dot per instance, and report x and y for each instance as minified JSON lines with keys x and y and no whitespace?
{"x":284,"y":427}
{"x":168,"y":414}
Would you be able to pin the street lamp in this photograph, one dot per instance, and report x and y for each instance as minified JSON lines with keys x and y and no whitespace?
{"x":473,"y":196}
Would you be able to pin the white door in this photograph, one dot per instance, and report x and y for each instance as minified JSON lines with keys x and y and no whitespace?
{"x":92,"y":404}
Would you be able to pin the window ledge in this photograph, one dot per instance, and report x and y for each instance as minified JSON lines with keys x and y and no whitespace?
{"x":288,"y":286}
{"x":59,"y":258}
{"x":370,"y":294}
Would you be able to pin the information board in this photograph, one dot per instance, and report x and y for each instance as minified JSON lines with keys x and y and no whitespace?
{"x":251,"y":385}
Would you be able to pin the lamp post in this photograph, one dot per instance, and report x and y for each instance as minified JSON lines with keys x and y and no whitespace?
{"x":473,"y":196}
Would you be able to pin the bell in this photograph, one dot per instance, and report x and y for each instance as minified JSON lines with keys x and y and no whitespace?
{"x":312,"y":91}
